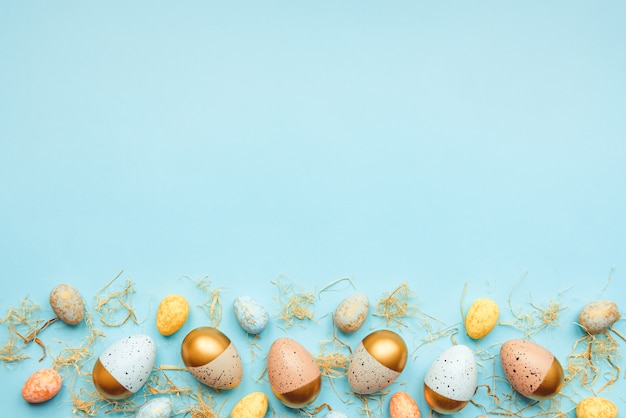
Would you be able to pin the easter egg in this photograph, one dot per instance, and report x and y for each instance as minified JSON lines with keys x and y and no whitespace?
{"x":351,"y":312}
{"x":596,"y":408}
{"x":531,"y":369}
{"x":481,"y":318}
{"x":172,"y":314}
{"x":161,"y":407}
{"x":450,"y":381}
{"x":42,"y":386}
{"x":67,"y":303}
{"x":294,"y":375}
{"x":253,"y":405}
{"x":597,"y":316}
{"x":212,"y":358}
{"x":250,"y":314}
{"x":124,"y":367}
{"x":403,"y":406}
{"x":377,"y":362}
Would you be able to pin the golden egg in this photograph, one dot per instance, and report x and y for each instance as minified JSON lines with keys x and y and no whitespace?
{"x":212,"y":358}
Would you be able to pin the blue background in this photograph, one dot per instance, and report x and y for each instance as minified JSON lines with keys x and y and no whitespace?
{"x":436,"y":143}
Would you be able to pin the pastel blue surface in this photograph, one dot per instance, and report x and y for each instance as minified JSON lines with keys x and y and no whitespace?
{"x":434,"y":143}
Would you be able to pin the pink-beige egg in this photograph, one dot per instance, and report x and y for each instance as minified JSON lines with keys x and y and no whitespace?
{"x":42,"y":386}
{"x":294,"y":376}
{"x":531,"y":369}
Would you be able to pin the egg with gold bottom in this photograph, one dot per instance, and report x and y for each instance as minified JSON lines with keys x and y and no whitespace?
{"x":377,"y":362}
{"x":531,"y":369}
{"x":294,"y":376}
{"x":212,"y":358}
{"x":124,"y":367}
{"x":451,"y":380}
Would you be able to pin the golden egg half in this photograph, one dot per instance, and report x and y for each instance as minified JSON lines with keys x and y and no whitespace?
{"x":531,"y":369}
{"x":377,"y":362}
{"x":212,"y":358}
{"x":294,"y":375}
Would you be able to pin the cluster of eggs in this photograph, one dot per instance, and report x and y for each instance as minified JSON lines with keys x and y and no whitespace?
{"x":294,"y":376}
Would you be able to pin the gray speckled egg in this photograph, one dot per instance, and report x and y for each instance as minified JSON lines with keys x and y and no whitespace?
{"x":67,"y":304}
{"x":250,"y":314}
{"x":161,"y":407}
{"x":124,"y":367}
{"x":351,"y":312}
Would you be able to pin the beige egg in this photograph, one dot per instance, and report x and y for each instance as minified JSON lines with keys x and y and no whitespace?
{"x":67,"y":303}
{"x":351,"y":312}
{"x":253,"y":405}
{"x":212,"y":358}
{"x":294,"y":375}
{"x":481,"y":318}
{"x":596,"y":408}
{"x":377,"y":362}
{"x":172,"y":314}
{"x":531,"y":369}
{"x":598,"y":316}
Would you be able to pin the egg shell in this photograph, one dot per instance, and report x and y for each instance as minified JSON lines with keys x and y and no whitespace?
{"x":160,"y":407}
{"x":250,"y":314}
{"x":351,"y":312}
{"x":596,"y":408}
{"x":172,"y":314}
{"x":377,"y":362}
{"x":403,"y":406}
{"x":531,"y":369}
{"x":212,"y":358}
{"x":128,"y":362}
{"x":67,"y":303}
{"x":253,"y":405}
{"x":454,"y":374}
{"x":294,"y":375}
{"x":481,"y":318}
{"x":335,"y":414}
{"x":42,"y":386}
{"x":597,"y":316}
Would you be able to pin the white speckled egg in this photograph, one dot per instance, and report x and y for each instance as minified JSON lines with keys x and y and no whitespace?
{"x":161,"y":407}
{"x":352,"y":312}
{"x":67,"y":304}
{"x":250,"y":314}
{"x":212,"y":358}
{"x":294,"y":375}
{"x":377,"y":362}
{"x":450,"y":381}
{"x":598,"y":316}
{"x":124,"y":367}
{"x":335,"y":414}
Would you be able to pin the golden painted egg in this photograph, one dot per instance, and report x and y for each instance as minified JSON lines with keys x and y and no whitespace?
{"x":212,"y":358}
{"x":294,"y":375}
{"x":377,"y":362}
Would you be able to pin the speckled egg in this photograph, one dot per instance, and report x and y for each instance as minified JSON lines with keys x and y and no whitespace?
{"x":482,"y":316}
{"x":67,"y":303}
{"x":450,"y":382}
{"x":42,"y":386}
{"x":351,"y":312}
{"x":250,"y":314}
{"x":403,"y":406}
{"x":172,"y":314}
{"x":124,"y":367}
{"x":531,"y":369}
{"x":294,"y":375}
{"x":335,"y":414}
{"x":212,"y":358}
{"x":377,"y":362}
{"x":598,"y":316}
{"x":596,"y":407}
{"x":253,"y":405}
{"x":161,"y":407}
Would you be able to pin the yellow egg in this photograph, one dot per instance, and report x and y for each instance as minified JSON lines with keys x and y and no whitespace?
{"x":596,"y":408}
{"x":481,"y":318}
{"x":172,"y":314}
{"x":253,"y":405}
{"x":294,"y":376}
{"x":377,"y":362}
{"x":212,"y":358}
